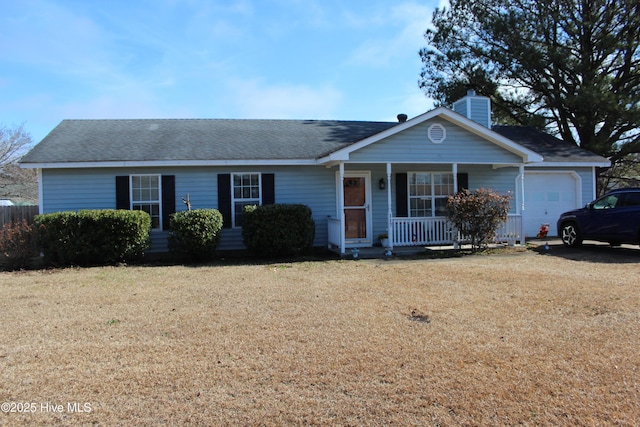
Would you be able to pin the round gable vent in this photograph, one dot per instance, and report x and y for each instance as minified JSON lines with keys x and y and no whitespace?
{"x":436,"y":133}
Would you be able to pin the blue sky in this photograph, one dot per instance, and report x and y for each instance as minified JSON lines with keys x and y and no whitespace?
{"x":275,"y":59}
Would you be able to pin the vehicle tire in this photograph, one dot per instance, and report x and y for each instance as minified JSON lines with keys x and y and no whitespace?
{"x":570,"y":235}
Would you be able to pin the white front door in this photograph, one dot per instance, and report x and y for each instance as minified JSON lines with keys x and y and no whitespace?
{"x":357,"y":208}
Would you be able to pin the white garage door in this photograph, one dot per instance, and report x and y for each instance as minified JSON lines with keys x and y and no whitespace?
{"x":547,"y":195}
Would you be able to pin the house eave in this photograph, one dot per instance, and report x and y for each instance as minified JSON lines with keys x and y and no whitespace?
{"x":169,"y":163}
{"x":570,"y":164}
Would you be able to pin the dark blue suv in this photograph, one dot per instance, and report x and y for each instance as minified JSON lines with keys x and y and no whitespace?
{"x":613,"y":218}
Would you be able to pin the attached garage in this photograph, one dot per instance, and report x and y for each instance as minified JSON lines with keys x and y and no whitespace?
{"x":547,"y":195}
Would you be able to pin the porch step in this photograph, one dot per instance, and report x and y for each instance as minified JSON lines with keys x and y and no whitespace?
{"x":378,"y":252}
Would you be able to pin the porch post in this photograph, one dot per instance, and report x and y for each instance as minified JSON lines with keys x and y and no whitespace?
{"x":454,"y":170}
{"x":522,"y":204}
{"x":341,"y":207}
{"x":389,"y":210}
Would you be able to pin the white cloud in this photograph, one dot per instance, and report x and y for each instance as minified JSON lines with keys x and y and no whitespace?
{"x":255,"y":99}
{"x":414,"y":103}
{"x":47,"y":35}
{"x":410,"y":21}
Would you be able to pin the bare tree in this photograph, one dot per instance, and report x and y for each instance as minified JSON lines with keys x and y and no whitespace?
{"x":13,"y":144}
{"x":15,"y":182}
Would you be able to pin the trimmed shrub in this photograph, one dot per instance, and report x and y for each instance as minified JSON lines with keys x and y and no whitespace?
{"x":93,"y":237}
{"x":17,"y":244}
{"x":195,"y":233}
{"x":278,"y":230}
{"x":478,"y":214}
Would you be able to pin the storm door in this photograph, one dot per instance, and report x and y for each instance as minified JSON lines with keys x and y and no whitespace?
{"x":357,"y":208}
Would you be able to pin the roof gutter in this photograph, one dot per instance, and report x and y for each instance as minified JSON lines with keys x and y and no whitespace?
{"x":168,"y":163}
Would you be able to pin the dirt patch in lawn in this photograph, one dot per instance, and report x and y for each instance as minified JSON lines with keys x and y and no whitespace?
{"x":523,"y":338}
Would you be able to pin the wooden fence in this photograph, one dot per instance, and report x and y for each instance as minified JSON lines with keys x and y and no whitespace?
{"x":17,"y":213}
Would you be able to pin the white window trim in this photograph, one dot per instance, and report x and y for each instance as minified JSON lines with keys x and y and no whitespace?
{"x":233,"y":198}
{"x":432,"y":197}
{"x":159,"y":201}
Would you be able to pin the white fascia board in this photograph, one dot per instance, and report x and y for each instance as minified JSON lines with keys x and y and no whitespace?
{"x":169,"y":163}
{"x":506,"y":165}
{"x":338,"y":156}
{"x":570,"y":164}
{"x":429,"y":162}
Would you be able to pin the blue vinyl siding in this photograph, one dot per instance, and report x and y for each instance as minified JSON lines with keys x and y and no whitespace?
{"x":313,"y":186}
{"x":76,"y":189}
{"x":480,"y":111}
{"x":459,"y":146}
{"x":460,"y":107}
{"x":72,"y":189}
{"x":477,"y":109}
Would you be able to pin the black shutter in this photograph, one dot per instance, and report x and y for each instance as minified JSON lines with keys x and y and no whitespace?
{"x":402,"y":194}
{"x":224,"y":198}
{"x":122,"y":192}
{"x":168,"y":199}
{"x":463,"y":181}
{"x":268,"y":189}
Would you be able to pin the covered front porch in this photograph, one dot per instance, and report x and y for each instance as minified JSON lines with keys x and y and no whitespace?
{"x":435,"y":231}
{"x":360,"y":193}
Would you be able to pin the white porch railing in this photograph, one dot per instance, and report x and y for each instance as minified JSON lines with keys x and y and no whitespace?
{"x":421,"y":231}
{"x":430,"y":231}
{"x":334,"y":232}
{"x":511,"y":231}
{"x":438,"y":231}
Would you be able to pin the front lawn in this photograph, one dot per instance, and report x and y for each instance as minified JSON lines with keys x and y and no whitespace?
{"x":520,"y":339}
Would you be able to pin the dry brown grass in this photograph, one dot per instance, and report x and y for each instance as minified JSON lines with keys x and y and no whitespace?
{"x":522,"y":339}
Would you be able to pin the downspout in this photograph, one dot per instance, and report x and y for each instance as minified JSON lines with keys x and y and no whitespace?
{"x":40,"y":192}
{"x":341,"y":208}
{"x":522,"y":237}
{"x":389,"y":210}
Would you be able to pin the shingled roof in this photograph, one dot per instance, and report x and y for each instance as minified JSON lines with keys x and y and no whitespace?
{"x":184,"y":140}
{"x":548,"y":146}
{"x":198,"y":139}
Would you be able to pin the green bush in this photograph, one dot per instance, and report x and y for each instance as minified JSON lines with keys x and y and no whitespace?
{"x":91,"y":237}
{"x":195,"y":233}
{"x":478,"y":214}
{"x":17,"y":244}
{"x":278,"y":230}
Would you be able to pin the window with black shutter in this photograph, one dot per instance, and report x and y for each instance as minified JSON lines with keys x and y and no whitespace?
{"x":237,"y":190}
{"x":154,"y":194}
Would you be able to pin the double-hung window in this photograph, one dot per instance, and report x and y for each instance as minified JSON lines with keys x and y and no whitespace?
{"x":246,"y":190}
{"x":428,"y":193}
{"x":145,"y":196}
